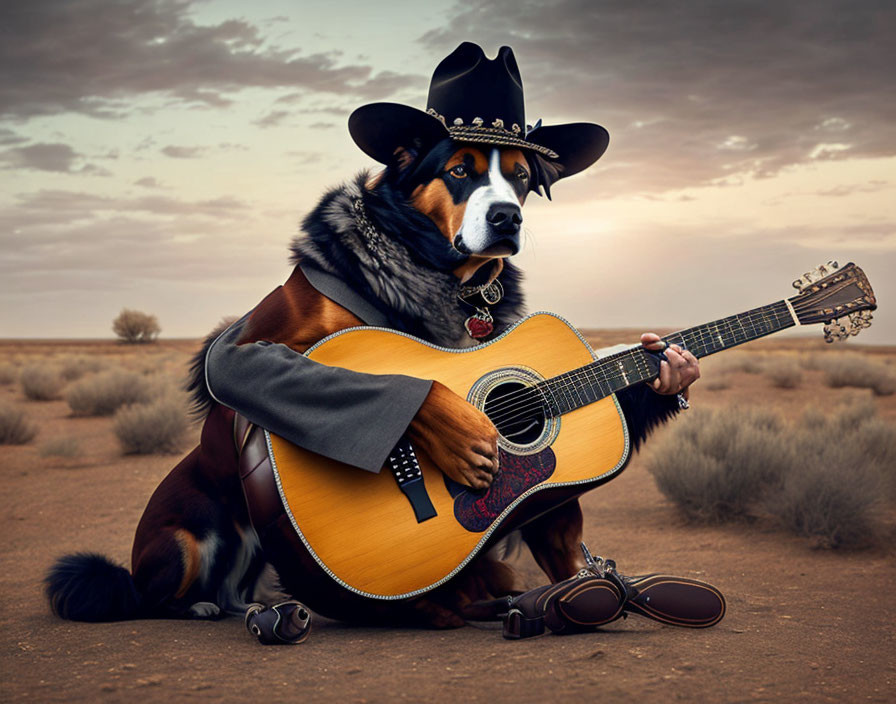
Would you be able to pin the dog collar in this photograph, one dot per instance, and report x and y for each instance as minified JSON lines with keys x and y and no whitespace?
{"x":481,"y":324}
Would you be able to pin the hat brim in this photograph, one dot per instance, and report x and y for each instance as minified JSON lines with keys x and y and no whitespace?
{"x":381,"y":128}
{"x":578,"y":144}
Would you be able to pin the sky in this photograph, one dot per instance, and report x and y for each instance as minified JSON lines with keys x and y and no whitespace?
{"x":159,"y":154}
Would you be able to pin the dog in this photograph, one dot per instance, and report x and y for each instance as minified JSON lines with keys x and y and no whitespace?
{"x":444,"y":212}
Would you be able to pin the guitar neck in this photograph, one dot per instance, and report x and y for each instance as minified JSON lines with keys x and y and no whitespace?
{"x":615,"y":372}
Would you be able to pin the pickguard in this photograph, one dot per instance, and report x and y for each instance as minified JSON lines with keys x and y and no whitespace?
{"x":476,"y":510}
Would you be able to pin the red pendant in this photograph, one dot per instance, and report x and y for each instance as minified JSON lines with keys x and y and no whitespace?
{"x":479,"y":326}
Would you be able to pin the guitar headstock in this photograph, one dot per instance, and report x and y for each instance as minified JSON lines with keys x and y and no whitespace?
{"x":830,"y":293}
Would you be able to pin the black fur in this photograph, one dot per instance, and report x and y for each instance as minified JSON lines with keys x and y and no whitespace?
{"x":201,"y":401}
{"x":644,"y":409}
{"x":89,"y":587}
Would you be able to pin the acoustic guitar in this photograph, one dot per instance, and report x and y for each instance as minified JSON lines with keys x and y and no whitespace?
{"x":409,"y":528}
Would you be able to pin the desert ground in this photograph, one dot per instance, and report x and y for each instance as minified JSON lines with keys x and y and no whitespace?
{"x":803,"y":623}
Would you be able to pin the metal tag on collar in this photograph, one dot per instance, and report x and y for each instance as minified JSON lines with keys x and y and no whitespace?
{"x":492,"y":293}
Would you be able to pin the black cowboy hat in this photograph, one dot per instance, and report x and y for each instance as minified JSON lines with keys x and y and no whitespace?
{"x":475,"y":99}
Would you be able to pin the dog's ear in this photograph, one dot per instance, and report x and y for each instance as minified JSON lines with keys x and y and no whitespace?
{"x":401,"y":165}
{"x":544,"y":174}
{"x":403,"y":158}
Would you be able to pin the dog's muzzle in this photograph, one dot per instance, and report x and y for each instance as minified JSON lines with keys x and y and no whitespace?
{"x":503,"y":221}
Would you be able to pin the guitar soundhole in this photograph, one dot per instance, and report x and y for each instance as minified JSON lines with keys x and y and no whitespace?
{"x":517,"y":412}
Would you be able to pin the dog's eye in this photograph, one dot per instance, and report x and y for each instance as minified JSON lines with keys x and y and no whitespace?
{"x":522,"y":175}
{"x":459,"y":171}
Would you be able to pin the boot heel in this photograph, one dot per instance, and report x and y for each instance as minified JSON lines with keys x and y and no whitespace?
{"x":517,"y":626}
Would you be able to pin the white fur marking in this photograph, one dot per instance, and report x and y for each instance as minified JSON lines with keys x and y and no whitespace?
{"x":229,"y":596}
{"x":474,"y":228}
{"x":208,"y":548}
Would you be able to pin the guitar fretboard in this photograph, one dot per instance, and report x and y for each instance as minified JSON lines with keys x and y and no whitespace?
{"x":597,"y":380}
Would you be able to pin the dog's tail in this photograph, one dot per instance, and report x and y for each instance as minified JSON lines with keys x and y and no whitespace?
{"x":90,"y":587}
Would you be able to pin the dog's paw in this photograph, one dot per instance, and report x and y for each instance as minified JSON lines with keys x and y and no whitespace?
{"x":204,"y":609}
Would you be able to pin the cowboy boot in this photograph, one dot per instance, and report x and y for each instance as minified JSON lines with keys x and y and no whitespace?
{"x":286,"y":623}
{"x":675,"y":601}
{"x":598,"y":595}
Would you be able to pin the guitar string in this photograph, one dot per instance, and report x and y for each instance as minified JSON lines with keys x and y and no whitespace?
{"x":771,"y":317}
{"x":590,"y":372}
{"x":701,"y":335}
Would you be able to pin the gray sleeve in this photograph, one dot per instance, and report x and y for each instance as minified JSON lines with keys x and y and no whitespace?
{"x":348,"y":416}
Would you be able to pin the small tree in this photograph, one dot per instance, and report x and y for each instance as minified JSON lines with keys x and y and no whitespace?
{"x":134,"y":326}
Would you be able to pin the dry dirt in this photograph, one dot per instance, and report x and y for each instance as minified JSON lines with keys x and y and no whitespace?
{"x":802,"y":624}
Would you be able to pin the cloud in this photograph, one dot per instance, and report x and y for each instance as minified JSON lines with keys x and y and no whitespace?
{"x":691,"y":94}
{"x":51,"y":208}
{"x":273,"y":118}
{"x":148,"y":182}
{"x":94,"y":56}
{"x":42,"y":157}
{"x":54,"y":157}
{"x":8,"y":137}
{"x":178,"y":152}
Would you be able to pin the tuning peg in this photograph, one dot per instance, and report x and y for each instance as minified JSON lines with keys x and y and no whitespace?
{"x":818,"y":273}
{"x":859,"y":321}
{"x":856,"y":322}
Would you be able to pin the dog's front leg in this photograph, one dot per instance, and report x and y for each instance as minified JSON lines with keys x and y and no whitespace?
{"x":554,"y":540}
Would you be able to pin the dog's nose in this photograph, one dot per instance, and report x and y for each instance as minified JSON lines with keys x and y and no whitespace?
{"x":505,"y":218}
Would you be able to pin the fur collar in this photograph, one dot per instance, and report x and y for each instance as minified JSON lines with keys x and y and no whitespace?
{"x":415,"y":295}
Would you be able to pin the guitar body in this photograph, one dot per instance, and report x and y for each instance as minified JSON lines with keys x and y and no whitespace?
{"x":361,"y":528}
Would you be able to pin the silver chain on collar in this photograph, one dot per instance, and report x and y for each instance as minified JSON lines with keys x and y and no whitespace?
{"x":371,"y":235}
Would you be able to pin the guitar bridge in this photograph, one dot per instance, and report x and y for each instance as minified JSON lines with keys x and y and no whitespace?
{"x":409,"y":477}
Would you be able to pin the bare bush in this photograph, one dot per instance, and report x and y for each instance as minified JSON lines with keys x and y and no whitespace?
{"x":66,"y":446}
{"x":783,"y":372}
{"x":72,"y":368}
{"x":9,"y":374}
{"x":15,"y":428}
{"x":106,"y":392}
{"x":134,"y":326}
{"x":155,"y":427}
{"x":715,"y":466}
{"x":41,"y":383}
{"x":747,"y":362}
{"x":857,"y":370}
{"x":825,"y":477}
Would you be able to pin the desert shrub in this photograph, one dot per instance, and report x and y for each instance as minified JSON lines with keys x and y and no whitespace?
{"x":41,"y":383}
{"x":714,"y":466}
{"x":823,"y":476}
{"x":72,"y":368}
{"x":784,"y":373}
{"x":9,"y":373}
{"x":155,"y":427}
{"x":135,"y":326}
{"x":104,"y":393}
{"x":15,"y":428}
{"x":746,"y":362}
{"x":857,"y":370}
{"x":65,"y":446}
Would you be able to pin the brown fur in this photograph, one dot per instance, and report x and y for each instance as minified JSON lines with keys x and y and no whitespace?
{"x":190,"y":559}
{"x":554,"y":540}
{"x":434,"y":201}
{"x":297,"y":315}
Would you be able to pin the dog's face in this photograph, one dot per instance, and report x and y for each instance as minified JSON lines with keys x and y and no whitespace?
{"x":474,"y":196}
